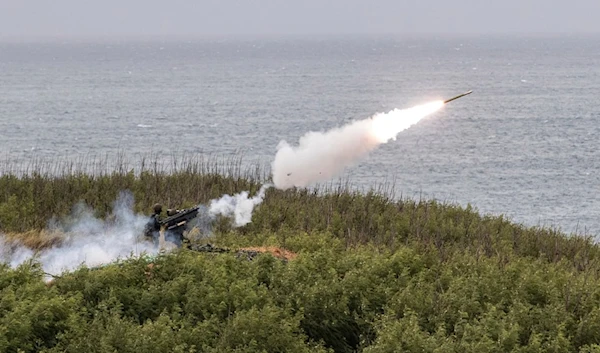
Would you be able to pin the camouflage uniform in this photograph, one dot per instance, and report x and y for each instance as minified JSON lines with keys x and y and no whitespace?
{"x":152,"y":229}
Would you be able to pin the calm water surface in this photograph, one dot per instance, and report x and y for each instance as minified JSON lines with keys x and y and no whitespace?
{"x":525,"y":144}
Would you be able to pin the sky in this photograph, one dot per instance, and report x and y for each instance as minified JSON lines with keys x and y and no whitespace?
{"x":214,"y":18}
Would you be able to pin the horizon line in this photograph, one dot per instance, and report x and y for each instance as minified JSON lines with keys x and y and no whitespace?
{"x":275,"y":36}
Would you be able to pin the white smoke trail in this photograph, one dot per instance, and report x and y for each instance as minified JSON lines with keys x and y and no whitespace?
{"x":322,"y":155}
{"x":240,"y":206}
{"x":88,"y":240}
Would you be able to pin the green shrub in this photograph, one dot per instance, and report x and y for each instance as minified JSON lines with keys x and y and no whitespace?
{"x":371,"y":274}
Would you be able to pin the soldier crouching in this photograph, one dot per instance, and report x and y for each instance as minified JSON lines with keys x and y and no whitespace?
{"x":152,"y":228}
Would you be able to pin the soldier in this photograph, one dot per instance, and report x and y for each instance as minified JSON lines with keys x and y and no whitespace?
{"x":152,"y":229}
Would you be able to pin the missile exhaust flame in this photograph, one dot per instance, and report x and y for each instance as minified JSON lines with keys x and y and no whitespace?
{"x":386,"y":126}
{"x":320,"y":156}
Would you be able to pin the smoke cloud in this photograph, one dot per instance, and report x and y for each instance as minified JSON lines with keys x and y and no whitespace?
{"x":13,"y":255}
{"x":94,"y":242}
{"x":321,"y":156}
{"x":88,"y":240}
{"x":238,"y":206}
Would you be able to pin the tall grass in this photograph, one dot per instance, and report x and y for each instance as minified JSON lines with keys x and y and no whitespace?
{"x":45,"y":190}
{"x":232,"y":165}
{"x":33,"y":194}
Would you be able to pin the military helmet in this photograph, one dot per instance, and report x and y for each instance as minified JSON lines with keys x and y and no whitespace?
{"x":157,"y":208}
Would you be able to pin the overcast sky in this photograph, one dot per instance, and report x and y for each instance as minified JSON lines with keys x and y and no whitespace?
{"x":202,"y":18}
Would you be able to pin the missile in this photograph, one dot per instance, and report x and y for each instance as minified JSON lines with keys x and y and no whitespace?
{"x":459,"y":96}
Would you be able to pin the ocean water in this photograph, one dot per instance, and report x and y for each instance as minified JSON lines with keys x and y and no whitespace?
{"x":524,"y":144}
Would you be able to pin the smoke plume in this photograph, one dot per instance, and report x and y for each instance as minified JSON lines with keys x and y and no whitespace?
{"x":13,"y":255}
{"x":238,"y":206}
{"x":322,"y":155}
{"x":87,"y":240}
{"x":94,"y":242}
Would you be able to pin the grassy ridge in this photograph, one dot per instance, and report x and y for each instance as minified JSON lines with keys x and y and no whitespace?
{"x":29,"y":201}
{"x":373,"y":274}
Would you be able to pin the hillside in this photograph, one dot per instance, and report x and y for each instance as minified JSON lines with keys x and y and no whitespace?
{"x":371,"y":274}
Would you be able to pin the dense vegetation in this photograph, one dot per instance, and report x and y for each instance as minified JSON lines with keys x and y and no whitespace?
{"x":372,"y":274}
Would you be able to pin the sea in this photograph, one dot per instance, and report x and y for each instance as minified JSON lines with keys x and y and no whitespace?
{"x":524,"y":144}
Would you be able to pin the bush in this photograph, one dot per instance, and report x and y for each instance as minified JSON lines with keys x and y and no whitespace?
{"x":371,"y":274}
